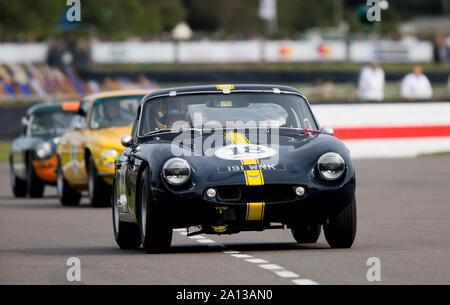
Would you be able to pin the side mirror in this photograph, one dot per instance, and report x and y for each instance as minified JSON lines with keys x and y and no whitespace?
{"x":82,"y":112}
{"x":126,"y":140}
{"x":327,"y":130}
{"x":24,"y":121}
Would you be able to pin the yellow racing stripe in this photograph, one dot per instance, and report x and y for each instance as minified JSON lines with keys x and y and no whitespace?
{"x":221,"y":87}
{"x":255,"y":210}
{"x":253,"y":177}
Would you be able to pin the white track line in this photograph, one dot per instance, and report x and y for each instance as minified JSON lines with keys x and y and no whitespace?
{"x":231,"y":252}
{"x":205,"y":241}
{"x":304,"y":282}
{"x":196,"y":237}
{"x":270,"y":267}
{"x":262,"y":263}
{"x":286,"y":274}
{"x":256,"y":261}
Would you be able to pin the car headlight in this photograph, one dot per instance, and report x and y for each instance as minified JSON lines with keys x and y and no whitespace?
{"x":331,"y":166}
{"x":176,"y":171}
{"x":44,"y":150}
{"x":107,"y":157}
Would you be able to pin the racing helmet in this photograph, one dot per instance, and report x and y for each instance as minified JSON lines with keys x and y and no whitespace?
{"x":170,"y":112}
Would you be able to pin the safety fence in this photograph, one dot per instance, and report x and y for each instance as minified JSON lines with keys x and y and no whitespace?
{"x":246,"y":51}
{"x":389,"y":130}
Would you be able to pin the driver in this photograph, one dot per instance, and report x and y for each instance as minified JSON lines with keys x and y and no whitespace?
{"x":112,"y":115}
{"x":169,"y":113}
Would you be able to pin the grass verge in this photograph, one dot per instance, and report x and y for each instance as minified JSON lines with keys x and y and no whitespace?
{"x":4,"y":151}
{"x":436,"y":154}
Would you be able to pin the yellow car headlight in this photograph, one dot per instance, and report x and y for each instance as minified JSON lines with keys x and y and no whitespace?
{"x":107,"y":157}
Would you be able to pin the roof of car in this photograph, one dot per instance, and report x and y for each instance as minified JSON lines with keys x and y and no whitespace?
{"x":220,"y":88}
{"x":114,"y":93}
{"x":63,"y":106}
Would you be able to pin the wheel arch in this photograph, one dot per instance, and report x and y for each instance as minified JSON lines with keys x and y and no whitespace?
{"x":144,"y":165}
{"x":27,"y":157}
{"x":87,"y":154}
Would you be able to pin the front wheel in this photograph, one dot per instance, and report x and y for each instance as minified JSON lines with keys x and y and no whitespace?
{"x":306,"y":233}
{"x":127,"y":234}
{"x":99,"y":190}
{"x":156,"y":234}
{"x":340,"y":230}
{"x":35,"y":186}
{"x":67,"y":195}
{"x":18,"y":186}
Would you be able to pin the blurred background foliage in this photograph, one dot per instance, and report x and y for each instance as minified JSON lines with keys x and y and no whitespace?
{"x":118,"y":19}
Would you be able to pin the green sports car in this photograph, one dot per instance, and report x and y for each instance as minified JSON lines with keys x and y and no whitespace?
{"x":32,"y":158}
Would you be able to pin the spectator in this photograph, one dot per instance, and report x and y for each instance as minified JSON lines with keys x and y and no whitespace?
{"x":371,"y":83}
{"x":144,"y":82}
{"x":93,"y":86}
{"x":447,"y":47}
{"x":416,"y":85}
{"x":448,"y":85}
{"x":439,"y":49}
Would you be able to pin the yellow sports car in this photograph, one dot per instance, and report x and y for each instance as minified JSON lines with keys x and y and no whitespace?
{"x":86,"y":154}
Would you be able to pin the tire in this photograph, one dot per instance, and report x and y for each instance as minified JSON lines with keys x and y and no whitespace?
{"x":127,"y":235}
{"x":99,"y":191}
{"x":156,"y":234}
{"x":67,"y":195}
{"x":35,"y":186}
{"x":306,"y":233}
{"x":340,"y":231}
{"x":18,"y":186}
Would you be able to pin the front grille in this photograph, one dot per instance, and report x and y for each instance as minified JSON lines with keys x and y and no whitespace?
{"x":229,"y":193}
{"x":263,"y":193}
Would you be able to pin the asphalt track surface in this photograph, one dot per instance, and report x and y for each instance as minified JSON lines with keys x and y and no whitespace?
{"x":403,"y":219}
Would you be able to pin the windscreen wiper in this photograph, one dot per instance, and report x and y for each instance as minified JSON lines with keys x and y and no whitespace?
{"x":169,"y":130}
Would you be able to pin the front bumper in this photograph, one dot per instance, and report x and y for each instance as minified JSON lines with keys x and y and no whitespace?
{"x":46,"y":169}
{"x":313,"y":207}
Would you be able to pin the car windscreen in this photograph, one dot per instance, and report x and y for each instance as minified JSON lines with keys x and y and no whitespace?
{"x":114,"y":111}
{"x":50,"y":123}
{"x":236,"y":110}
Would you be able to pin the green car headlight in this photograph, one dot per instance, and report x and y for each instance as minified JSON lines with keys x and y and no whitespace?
{"x":43,"y":150}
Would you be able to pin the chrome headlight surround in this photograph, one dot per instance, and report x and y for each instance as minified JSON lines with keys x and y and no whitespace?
{"x":331,"y":166}
{"x":176,"y":171}
{"x":44,"y":150}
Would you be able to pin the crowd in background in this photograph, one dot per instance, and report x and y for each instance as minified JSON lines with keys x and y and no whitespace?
{"x":50,"y":82}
